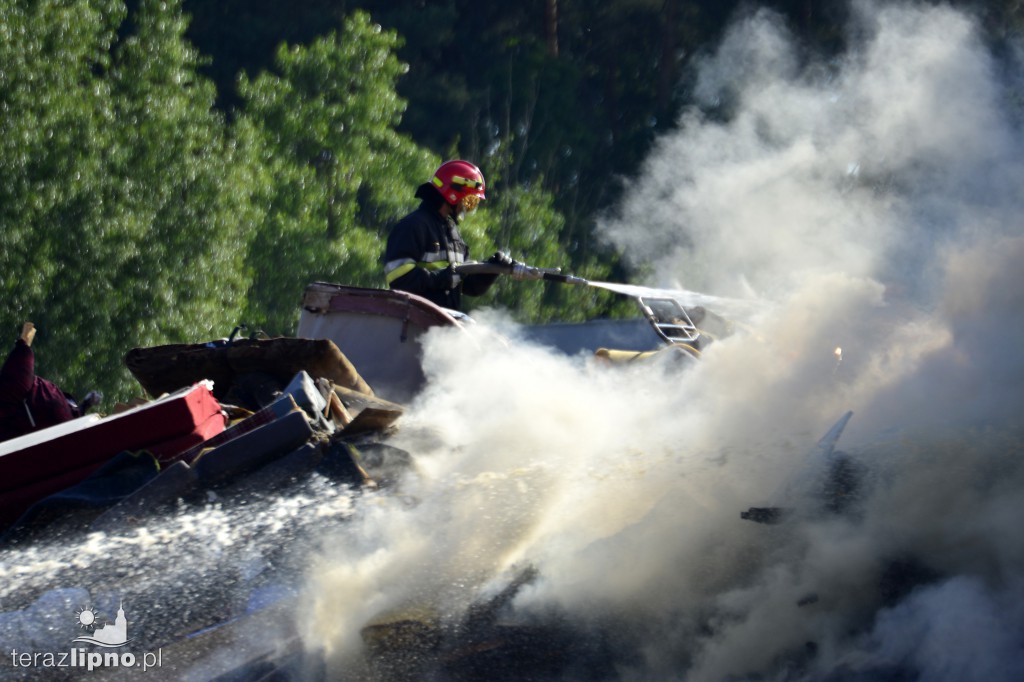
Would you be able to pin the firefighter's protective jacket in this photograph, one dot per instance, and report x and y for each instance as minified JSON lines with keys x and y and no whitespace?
{"x":420,"y":248}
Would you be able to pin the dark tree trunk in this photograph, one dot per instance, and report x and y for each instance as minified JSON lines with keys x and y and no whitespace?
{"x":667,"y":65}
{"x":551,"y":26}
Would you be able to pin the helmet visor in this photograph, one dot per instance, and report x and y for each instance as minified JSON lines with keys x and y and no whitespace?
{"x":470,"y":202}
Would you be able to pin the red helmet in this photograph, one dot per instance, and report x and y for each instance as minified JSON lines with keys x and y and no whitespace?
{"x":457,"y":180}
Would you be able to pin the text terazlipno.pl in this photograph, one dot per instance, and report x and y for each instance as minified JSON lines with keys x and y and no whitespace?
{"x":83,"y":658}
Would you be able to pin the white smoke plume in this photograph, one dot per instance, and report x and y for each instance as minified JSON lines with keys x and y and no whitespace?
{"x":871,"y":203}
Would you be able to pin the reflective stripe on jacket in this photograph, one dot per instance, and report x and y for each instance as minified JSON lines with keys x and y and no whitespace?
{"x":420,"y":245}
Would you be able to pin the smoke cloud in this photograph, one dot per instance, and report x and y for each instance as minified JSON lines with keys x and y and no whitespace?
{"x":870,"y":203}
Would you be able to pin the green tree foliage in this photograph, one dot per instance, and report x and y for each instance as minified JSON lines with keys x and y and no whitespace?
{"x":182,"y":188}
{"x":121,"y":212}
{"x":55,"y":129}
{"x":325,"y":126}
{"x":244,"y":35}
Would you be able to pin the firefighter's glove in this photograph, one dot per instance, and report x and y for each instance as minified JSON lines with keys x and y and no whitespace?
{"x":521,"y":272}
{"x":447,"y":279}
{"x":501,"y":258}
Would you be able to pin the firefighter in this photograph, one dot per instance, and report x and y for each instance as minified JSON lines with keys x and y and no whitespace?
{"x":424,"y":247}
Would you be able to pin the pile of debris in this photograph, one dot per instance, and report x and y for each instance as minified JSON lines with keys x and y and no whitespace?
{"x":219,"y":412}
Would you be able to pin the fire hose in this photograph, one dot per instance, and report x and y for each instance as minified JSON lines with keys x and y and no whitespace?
{"x":520,"y":271}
